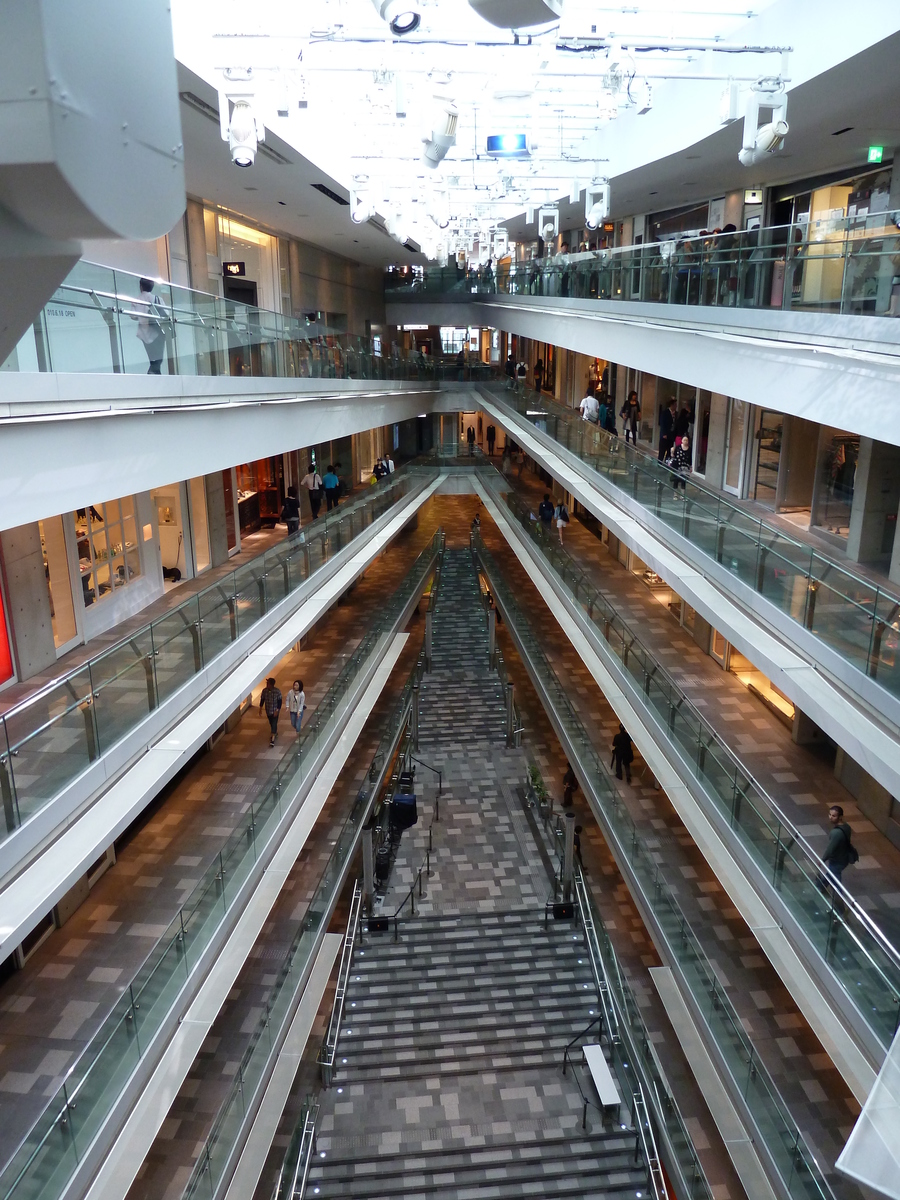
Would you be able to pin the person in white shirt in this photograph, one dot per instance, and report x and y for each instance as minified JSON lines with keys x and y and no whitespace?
{"x":312,"y":481}
{"x":590,"y":409}
{"x":296,"y":702}
{"x":389,"y":462}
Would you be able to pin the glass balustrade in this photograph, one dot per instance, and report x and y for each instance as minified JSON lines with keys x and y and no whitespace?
{"x":845,"y":265}
{"x":48,"y":740}
{"x":838,"y":928}
{"x":783,"y":1138}
{"x":93,"y":322}
{"x":219,"y":1145}
{"x":44,"y":1163}
{"x":851,"y":615}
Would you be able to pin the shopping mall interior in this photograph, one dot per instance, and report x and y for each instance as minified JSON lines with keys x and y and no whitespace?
{"x":449,"y":600}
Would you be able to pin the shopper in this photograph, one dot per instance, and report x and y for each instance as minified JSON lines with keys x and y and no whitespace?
{"x":521,"y":376}
{"x":151,"y":322}
{"x":840,"y":851}
{"x":683,"y":422}
{"x":270,"y":700}
{"x":389,"y":463}
{"x":312,"y":481}
{"x":296,"y":703}
{"x":562,"y":519}
{"x":680,"y":462}
{"x":506,"y":460}
{"x":538,"y":375}
{"x":290,"y":510}
{"x":380,"y":469}
{"x":576,"y":841}
{"x":570,"y":786}
{"x":510,"y":370}
{"x":590,"y":409}
{"x":491,"y":438}
{"x":545,"y":512}
{"x":470,"y":438}
{"x":622,"y":754}
{"x":332,"y":486}
{"x":666,"y":428}
{"x":631,"y":415}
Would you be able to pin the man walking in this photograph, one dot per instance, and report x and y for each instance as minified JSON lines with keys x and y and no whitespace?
{"x":622,"y":754}
{"x":312,"y":481}
{"x":545,"y":512}
{"x":332,"y":486}
{"x":491,"y":438}
{"x":270,"y":700}
{"x":840,"y":851}
{"x":666,"y":430}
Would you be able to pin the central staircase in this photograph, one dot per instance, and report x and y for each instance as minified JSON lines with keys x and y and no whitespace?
{"x":477,"y":1005}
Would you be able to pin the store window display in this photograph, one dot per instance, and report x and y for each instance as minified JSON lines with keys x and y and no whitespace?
{"x":108,"y":554}
{"x":838,"y":456}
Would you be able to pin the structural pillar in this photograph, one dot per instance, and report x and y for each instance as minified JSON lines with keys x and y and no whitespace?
{"x":368,"y":857}
{"x":215,"y":516}
{"x":29,"y":600}
{"x":568,"y":855}
{"x":876,"y":492}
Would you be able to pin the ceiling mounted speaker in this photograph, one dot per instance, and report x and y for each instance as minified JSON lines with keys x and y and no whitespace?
{"x":517,"y":14}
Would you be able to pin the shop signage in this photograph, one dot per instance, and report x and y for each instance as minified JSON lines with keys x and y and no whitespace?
{"x":234,"y":268}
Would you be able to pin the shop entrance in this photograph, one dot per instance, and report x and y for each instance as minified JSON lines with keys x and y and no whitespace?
{"x":243,"y":291}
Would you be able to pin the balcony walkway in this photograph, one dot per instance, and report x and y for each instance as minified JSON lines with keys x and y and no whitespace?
{"x":818,"y":1098}
{"x":799,"y":778}
{"x":50,"y":1010}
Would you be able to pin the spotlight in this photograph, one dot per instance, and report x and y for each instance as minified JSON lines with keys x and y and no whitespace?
{"x":401,"y":16}
{"x":242,"y":135}
{"x":596,"y":204}
{"x":758,"y":142}
{"x":442,"y":136}
{"x":240,"y":127}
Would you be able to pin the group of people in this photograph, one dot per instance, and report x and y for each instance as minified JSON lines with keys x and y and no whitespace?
{"x":675,"y":443}
{"x":321,"y":488}
{"x":271,"y":700}
{"x":600,"y":410}
{"x":383,"y":466}
{"x":548,"y":512}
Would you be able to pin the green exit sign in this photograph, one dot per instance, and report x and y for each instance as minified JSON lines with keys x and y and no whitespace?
{"x":876,"y":153}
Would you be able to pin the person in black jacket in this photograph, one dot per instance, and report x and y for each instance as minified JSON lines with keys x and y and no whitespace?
{"x":839,"y":852}
{"x":545,"y":512}
{"x":666,"y":430}
{"x":622,"y":754}
{"x":290,"y":511}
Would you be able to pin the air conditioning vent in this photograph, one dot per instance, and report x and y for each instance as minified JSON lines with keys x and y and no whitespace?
{"x":326,"y":191}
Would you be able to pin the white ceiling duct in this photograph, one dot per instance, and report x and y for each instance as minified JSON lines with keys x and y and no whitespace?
{"x":517,"y":14}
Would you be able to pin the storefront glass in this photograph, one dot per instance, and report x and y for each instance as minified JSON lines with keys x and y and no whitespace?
{"x":59,"y":585}
{"x":838,"y":456}
{"x":701,"y":432}
{"x":108,"y":555}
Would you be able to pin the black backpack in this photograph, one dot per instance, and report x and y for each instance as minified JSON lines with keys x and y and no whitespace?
{"x":852,"y":852}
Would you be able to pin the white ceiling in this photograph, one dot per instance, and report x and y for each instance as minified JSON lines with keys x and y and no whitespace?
{"x":581,"y":109}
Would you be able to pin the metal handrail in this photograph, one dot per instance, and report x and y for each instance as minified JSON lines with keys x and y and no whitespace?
{"x":644,"y":1126}
{"x":305,"y":1148}
{"x":328,"y":1053}
{"x":597,"y":598}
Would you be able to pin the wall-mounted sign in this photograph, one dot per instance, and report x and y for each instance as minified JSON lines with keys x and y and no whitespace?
{"x":876,"y":154}
{"x":234,"y":268}
{"x":753,"y":196}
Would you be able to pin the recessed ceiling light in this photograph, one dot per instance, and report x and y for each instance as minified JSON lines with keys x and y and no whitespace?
{"x":654,"y":193}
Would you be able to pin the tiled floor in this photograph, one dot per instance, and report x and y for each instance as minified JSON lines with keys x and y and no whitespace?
{"x":51,"y":1009}
{"x":818,"y":1098}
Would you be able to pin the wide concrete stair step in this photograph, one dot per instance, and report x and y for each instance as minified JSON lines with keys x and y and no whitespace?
{"x":597,"y":1165}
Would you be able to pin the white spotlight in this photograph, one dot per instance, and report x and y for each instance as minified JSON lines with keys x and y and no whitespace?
{"x":401,"y":15}
{"x":766,"y":139}
{"x":240,"y":128}
{"x":442,"y":134}
{"x":596,"y":204}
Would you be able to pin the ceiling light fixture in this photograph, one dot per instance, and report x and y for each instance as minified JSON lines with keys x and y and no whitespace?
{"x":240,"y":128}
{"x":760,"y":140}
{"x":400,"y":16}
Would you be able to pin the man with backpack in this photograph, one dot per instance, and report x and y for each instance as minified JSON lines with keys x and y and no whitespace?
{"x":622,"y":754}
{"x":840,"y":851}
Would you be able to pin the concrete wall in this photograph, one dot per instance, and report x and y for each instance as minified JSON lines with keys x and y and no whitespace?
{"x":715,"y":447}
{"x":31,"y":626}
{"x":215,"y":516}
{"x":322,"y":282}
